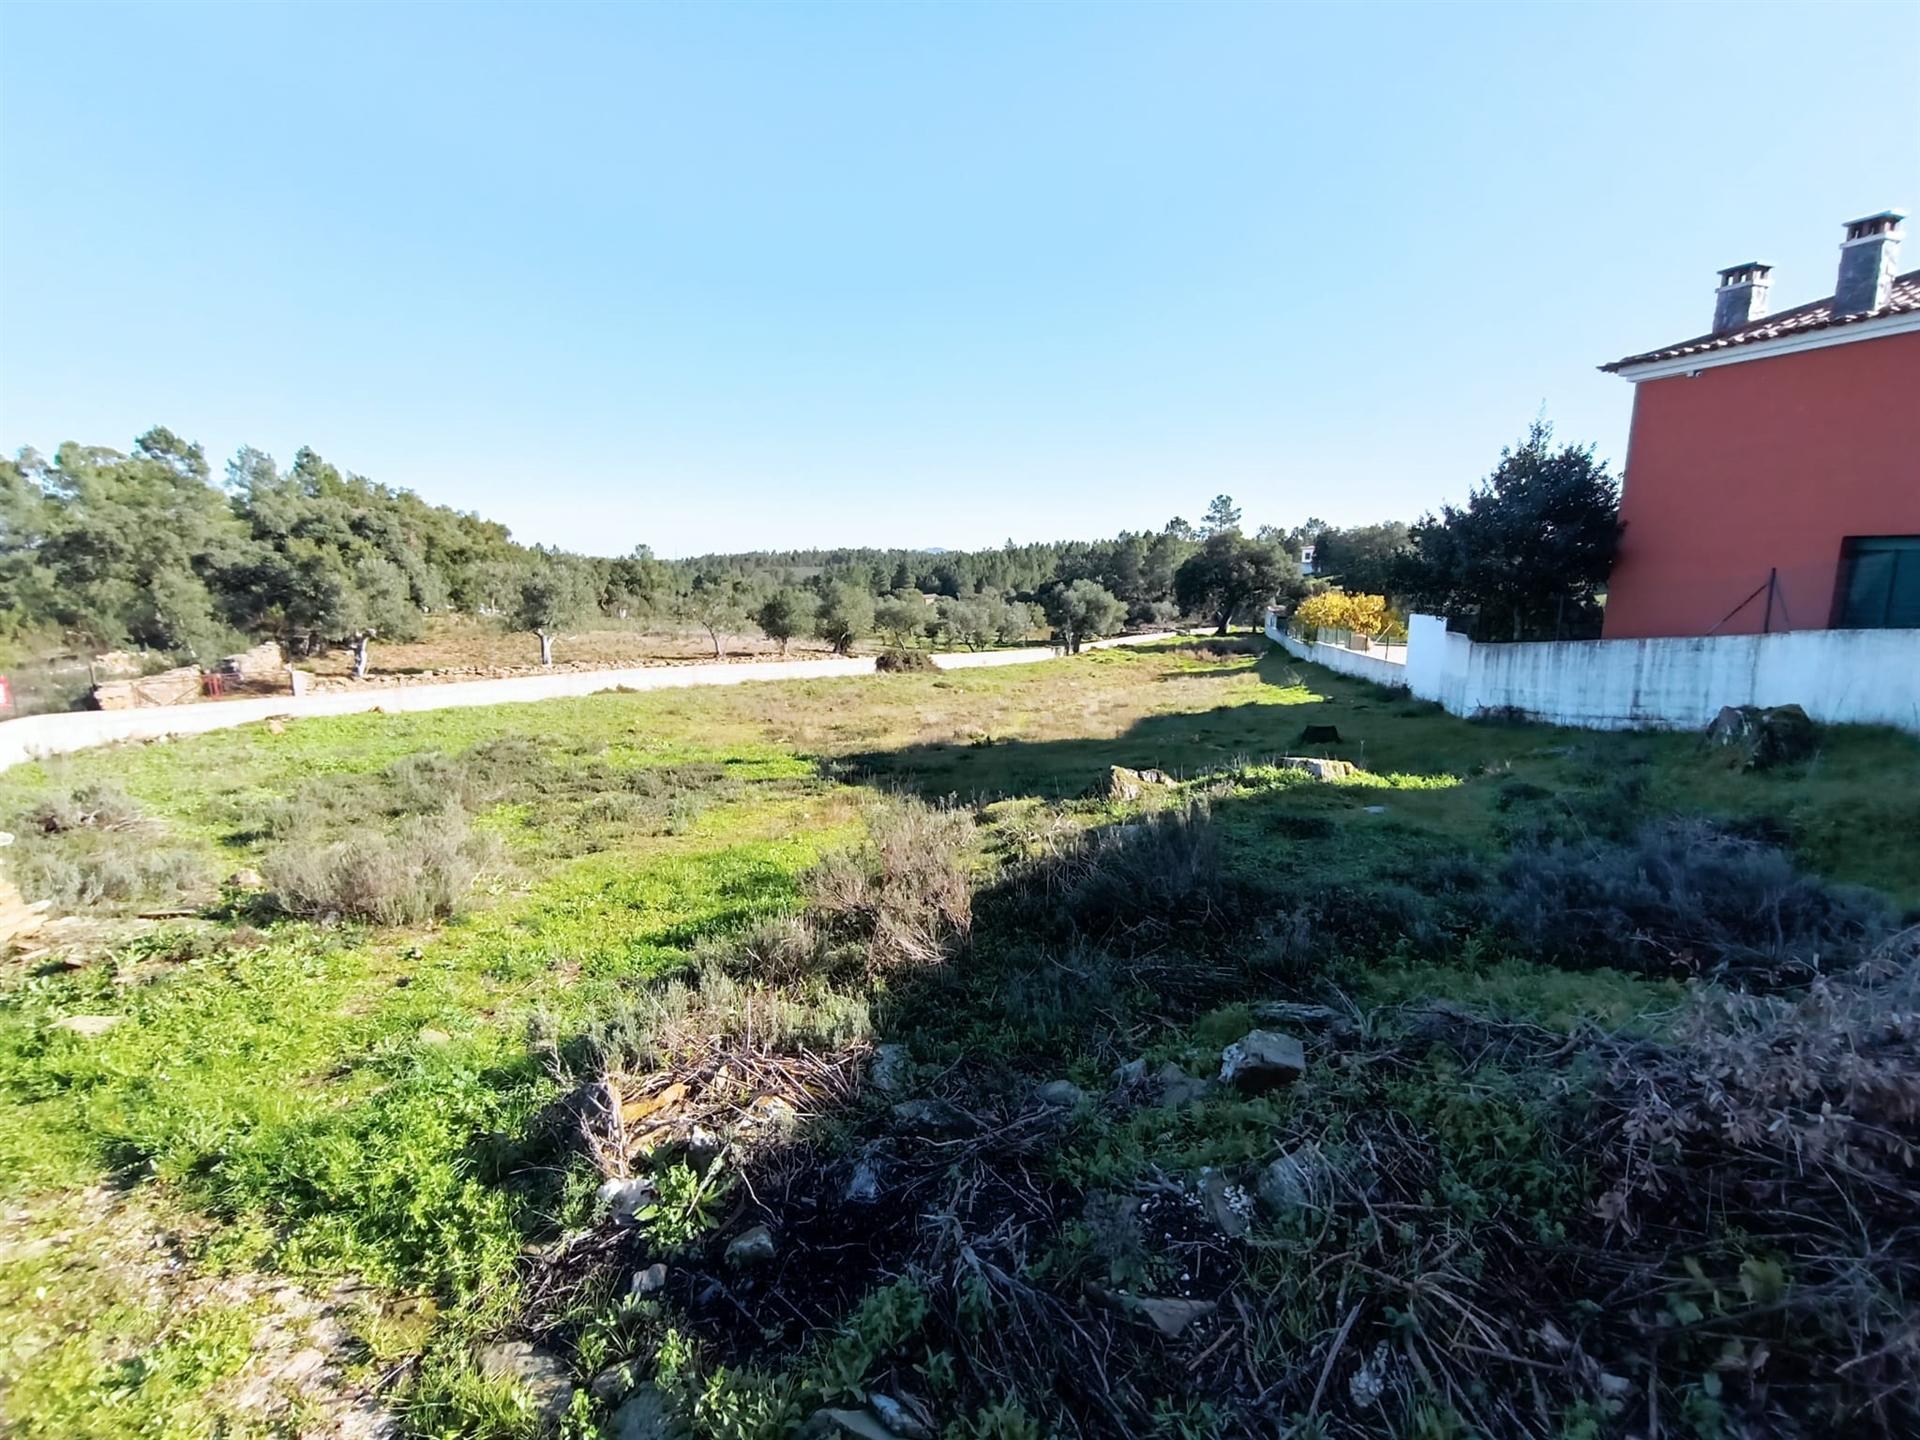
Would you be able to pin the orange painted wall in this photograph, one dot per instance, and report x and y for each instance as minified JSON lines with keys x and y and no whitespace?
{"x":1763,"y":463}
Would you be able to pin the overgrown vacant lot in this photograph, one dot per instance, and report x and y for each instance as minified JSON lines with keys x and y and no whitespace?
{"x":383,"y":1058}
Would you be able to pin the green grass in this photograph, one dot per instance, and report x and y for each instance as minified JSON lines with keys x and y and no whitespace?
{"x":354,"y":1101}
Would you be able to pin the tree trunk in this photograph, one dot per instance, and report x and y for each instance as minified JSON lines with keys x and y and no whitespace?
{"x":1225,"y":617}
{"x":360,"y":644}
{"x":546,"y":648}
{"x":714,"y":636}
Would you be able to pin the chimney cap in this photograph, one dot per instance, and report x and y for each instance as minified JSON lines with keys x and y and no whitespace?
{"x":1878,"y":223}
{"x":1750,"y":270}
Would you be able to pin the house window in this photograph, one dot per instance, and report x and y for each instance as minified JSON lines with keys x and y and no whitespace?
{"x":1879,"y":583}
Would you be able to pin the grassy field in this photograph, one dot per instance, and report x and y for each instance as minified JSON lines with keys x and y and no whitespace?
{"x":325,"y":1133}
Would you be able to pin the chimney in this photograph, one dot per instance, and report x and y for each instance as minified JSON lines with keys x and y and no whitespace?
{"x":1867,"y":258}
{"x":1742,"y":296}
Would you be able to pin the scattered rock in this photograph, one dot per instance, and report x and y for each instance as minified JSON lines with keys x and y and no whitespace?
{"x":861,"y":1423}
{"x":1228,"y":1205}
{"x":905,"y":1417}
{"x":1293,"y":1012}
{"x":276,"y":726}
{"x":1262,"y":1060}
{"x":541,"y":1375}
{"x":1169,"y":1315}
{"x":89,"y":1026}
{"x":625,"y":1197}
{"x":1062,"y":1094}
{"x":1134,"y":1072}
{"x":1319,"y":769}
{"x":649,"y":1281}
{"x":1124,"y":784}
{"x":1178,"y":1088}
{"x":863,"y":1187}
{"x":773,"y":1113}
{"x":703,"y":1147}
{"x":1374,"y":809}
{"x":751,"y":1247}
{"x":1294,"y":1180}
{"x":1759,"y":739}
{"x":645,"y":1416}
{"x":613,"y":1383}
{"x":246,"y":880}
{"x":431,"y":1036}
{"x":929,"y":1117}
{"x":892,"y":1068}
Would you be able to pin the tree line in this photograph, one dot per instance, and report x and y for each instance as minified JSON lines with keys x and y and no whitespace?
{"x":103,"y":549}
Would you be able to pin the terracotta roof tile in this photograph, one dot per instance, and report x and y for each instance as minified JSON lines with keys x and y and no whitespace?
{"x":1904,"y":296}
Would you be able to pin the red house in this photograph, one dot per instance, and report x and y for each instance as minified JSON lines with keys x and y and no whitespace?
{"x":1773,"y":471}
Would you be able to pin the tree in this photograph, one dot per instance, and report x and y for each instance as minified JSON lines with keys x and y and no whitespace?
{"x":718,"y":604}
{"x":1222,"y":516}
{"x":1359,"y":558}
{"x":1081,"y":610}
{"x":1528,"y":554}
{"x":1230,"y":574}
{"x":843,"y":616}
{"x":783,"y":615}
{"x":901,"y":618}
{"x":555,"y":594}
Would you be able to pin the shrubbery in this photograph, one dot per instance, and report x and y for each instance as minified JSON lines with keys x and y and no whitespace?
{"x":422,"y":869}
{"x":91,"y":847}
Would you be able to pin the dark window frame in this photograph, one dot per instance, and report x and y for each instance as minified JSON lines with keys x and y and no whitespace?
{"x":1889,"y":609}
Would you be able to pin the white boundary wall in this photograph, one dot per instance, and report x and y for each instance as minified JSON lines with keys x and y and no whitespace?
{"x":1841,"y":677}
{"x":36,"y":736}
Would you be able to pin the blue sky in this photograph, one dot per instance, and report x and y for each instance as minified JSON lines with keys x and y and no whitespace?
{"x":728,"y":276}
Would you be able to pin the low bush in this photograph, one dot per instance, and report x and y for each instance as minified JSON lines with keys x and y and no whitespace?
{"x":906,"y":895}
{"x":1684,"y":897}
{"x":898,"y":660}
{"x":420,"y":869}
{"x":91,"y":848}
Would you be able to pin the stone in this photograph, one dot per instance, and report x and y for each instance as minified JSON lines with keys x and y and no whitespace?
{"x":754,"y":1246}
{"x":541,"y":1375}
{"x":614,"y":1382}
{"x":89,"y":1026}
{"x":625,"y":1197}
{"x":906,"y":1417}
{"x":863,"y":1186}
{"x":892,"y":1068}
{"x":1319,"y":769}
{"x":1294,"y":1180}
{"x":1295,"y":1012}
{"x":1169,"y":1315}
{"x":1228,"y":1205}
{"x":1060,"y":1094}
{"x":650,"y":1281}
{"x":1124,"y":784}
{"x":645,"y":1415}
{"x":247,"y":880}
{"x":1374,"y":809}
{"x":1262,"y":1060}
{"x":432,"y":1036}
{"x":861,"y":1423}
{"x":929,"y":1117}
{"x":1760,"y":738}
{"x":1134,"y":1072}
{"x":1178,"y":1088}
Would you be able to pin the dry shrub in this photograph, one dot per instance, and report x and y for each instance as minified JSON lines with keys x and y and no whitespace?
{"x":1684,"y":897}
{"x":897,"y":661}
{"x":421,"y":869}
{"x":905,"y":896}
{"x":92,"y":848}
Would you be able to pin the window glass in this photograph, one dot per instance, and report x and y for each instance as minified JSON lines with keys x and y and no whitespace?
{"x":1879,"y":583}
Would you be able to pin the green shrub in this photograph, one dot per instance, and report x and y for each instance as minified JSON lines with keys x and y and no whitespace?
{"x":92,"y":848}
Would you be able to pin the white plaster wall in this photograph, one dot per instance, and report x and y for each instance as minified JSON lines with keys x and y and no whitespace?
{"x":42,"y":735}
{"x":1362,"y":665}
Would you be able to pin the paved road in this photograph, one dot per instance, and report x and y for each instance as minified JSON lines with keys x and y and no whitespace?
{"x":42,"y":735}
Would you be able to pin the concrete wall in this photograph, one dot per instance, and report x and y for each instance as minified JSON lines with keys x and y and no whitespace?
{"x":43,"y":735}
{"x":1837,"y":676}
{"x":1361,"y":664}
{"x":1841,"y":677}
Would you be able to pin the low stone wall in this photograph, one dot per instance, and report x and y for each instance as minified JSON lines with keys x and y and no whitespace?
{"x":45,"y":735}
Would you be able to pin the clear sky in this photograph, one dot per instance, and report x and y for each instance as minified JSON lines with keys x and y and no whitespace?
{"x":729,"y":276}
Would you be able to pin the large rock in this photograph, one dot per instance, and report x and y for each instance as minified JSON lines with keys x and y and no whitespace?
{"x":1319,"y":769}
{"x":645,"y":1415}
{"x":1170,"y":1315}
{"x":1759,"y":739}
{"x":751,"y":1247}
{"x":1124,"y":784}
{"x":1262,"y":1060}
{"x":1294,"y":1181}
{"x":542,"y":1376}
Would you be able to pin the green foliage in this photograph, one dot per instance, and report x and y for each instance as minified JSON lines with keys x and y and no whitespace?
{"x":901,"y":618}
{"x":844,"y":615}
{"x":682,"y":1210}
{"x":1528,"y":555}
{"x":1081,"y":610}
{"x":1233,"y":575}
{"x":784,"y":614}
{"x":555,"y":592}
